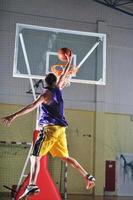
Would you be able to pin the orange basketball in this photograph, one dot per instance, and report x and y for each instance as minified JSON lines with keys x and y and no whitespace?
{"x":62,"y":52}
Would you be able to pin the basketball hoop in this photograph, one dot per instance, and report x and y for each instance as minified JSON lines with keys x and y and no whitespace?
{"x":59,"y":68}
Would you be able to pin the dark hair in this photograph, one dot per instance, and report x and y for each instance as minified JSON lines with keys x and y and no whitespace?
{"x":50,"y":79}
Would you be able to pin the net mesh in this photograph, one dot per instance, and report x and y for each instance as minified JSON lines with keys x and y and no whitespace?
{"x":12,"y":159}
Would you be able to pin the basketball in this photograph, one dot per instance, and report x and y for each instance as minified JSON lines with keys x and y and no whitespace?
{"x":62,"y":52}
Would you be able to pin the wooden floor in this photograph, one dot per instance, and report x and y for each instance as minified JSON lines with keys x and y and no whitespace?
{"x":81,"y":197}
{"x":85,"y":197}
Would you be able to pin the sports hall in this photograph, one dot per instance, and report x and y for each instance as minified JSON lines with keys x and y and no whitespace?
{"x":98,"y":101}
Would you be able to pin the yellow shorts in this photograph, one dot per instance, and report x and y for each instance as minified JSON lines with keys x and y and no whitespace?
{"x":51,"y":139}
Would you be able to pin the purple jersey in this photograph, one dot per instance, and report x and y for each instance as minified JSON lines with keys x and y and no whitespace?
{"x":53,"y":113}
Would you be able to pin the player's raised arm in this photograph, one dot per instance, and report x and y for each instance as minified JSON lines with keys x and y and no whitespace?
{"x":65,"y":55}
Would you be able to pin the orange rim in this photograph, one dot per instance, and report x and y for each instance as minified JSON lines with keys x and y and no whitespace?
{"x":59,"y":68}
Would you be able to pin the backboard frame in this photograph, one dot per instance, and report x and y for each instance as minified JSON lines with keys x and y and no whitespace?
{"x":101,"y":36}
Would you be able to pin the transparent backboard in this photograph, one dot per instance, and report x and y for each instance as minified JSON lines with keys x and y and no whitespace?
{"x":36,"y":51}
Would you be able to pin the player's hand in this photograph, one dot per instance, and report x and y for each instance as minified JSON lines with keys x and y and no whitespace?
{"x":7,"y":120}
{"x":69,"y":56}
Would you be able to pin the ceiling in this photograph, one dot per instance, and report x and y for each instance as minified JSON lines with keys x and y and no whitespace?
{"x":124,"y":6}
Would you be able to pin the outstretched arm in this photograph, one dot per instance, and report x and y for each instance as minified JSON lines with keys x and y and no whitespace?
{"x":44,"y":98}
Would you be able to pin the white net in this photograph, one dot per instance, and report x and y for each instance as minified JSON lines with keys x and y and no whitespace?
{"x":12,"y":158}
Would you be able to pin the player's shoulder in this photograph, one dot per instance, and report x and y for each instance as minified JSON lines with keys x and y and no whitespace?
{"x":51,"y":90}
{"x":45,"y":92}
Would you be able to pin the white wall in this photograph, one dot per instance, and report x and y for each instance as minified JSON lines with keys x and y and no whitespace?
{"x":117,"y":95}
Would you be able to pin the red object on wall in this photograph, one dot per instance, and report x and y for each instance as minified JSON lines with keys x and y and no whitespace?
{"x":110,"y":175}
{"x":48,"y":190}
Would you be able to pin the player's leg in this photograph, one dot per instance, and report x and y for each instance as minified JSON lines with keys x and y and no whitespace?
{"x":60,"y":150}
{"x":35,"y":163}
{"x":32,"y":188}
{"x":71,"y":161}
{"x":35,"y":167}
{"x":43,"y":144}
{"x":90,"y":180}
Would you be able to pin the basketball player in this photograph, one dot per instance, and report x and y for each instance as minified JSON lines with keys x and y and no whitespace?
{"x":52,"y":137}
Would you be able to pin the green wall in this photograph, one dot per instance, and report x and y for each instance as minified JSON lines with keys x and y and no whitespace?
{"x":20,"y":129}
{"x":12,"y":157}
{"x":113,"y":136}
{"x":80,"y":136}
{"x":93,"y":138}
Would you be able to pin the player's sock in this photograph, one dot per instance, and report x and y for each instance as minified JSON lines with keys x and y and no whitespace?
{"x":90,"y":177}
{"x":90,"y":181}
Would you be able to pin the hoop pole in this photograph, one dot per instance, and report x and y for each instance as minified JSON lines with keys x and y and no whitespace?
{"x":65,"y":180}
{"x":29,"y":71}
{"x":24,"y":168}
{"x":27,"y":63}
{"x":88,"y":54}
{"x":34,"y":96}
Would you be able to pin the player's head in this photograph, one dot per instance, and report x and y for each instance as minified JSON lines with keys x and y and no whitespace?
{"x":51,"y":79}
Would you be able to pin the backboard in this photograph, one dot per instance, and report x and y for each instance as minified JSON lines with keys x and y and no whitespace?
{"x":36,"y":51}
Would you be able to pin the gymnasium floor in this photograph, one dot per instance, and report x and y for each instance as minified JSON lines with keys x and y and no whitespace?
{"x":81,"y":197}
{"x":84,"y":197}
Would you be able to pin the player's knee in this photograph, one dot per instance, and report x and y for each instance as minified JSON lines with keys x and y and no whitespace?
{"x":34,"y":158}
{"x":64,"y":158}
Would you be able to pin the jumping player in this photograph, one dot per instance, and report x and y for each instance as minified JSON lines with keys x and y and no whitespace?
{"x":52,"y":137}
